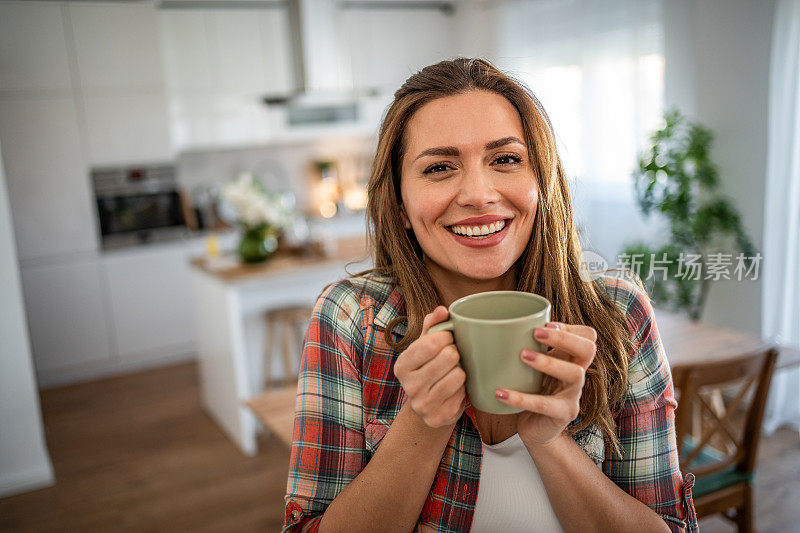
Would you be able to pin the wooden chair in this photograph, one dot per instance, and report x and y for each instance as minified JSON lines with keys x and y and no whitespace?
{"x":723,"y":457}
{"x":275,"y":405}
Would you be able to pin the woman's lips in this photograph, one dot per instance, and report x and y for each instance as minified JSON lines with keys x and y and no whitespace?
{"x":485,"y":242}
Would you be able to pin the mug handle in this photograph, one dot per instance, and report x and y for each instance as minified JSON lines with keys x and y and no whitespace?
{"x":442,"y":326}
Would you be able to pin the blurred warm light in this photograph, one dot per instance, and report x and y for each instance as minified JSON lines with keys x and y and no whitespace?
{"x":355,"y":198}
{"x":327,"y":209}
{"x":329,"y":187}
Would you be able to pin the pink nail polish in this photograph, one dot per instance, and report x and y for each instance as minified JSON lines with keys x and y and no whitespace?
{"x":501,"y":394}
{"x":542,"y":333}
{"x":528,"y":355}
{"x":553,"y":325}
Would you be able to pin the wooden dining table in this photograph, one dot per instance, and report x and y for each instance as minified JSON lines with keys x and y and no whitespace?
{"x":689,"y":342}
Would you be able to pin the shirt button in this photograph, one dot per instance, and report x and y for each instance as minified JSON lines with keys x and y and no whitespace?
{"x":295,"y":514}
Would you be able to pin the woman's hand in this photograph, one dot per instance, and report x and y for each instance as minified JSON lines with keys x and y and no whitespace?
{"x":430,"y":374}
{"x":546,"y":416}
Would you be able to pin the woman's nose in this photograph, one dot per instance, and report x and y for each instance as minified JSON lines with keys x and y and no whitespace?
{"x":477,"y":188}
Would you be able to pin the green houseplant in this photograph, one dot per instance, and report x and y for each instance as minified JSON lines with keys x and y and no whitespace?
{"x":676,"y":178}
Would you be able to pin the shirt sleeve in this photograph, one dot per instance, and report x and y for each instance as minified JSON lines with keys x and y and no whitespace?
{"x":647,"y":467}
{"x":328,"y":449}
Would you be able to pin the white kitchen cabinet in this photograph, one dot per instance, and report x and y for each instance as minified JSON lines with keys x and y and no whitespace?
{"x":33,"y":47}
{"x":51,"y":198}
{"x":149,"y":296}
{"x":250,"y":51}
{"x":218,"y":64}
{"x":116,"y":312}
{"x":116,"y":45}
{"x":226,"y":52}
{"x":119,"y":66}
{"x":66,"y":316}
{"x":276,"y":60}
{"x":185,"y":51}
{"x":386,"y":46}
{"x":217,"y":121}
{"x":127,"y":127}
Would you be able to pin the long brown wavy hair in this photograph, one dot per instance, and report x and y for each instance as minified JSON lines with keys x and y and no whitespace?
{"x":549,"y":266}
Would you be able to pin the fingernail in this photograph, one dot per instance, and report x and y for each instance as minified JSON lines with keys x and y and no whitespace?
{"x":501,"y":394}
{"x":553,"y":325}
{"x":528,"y":355}
{"x":542,"y":333}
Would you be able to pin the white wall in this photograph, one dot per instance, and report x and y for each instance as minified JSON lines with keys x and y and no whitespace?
{"x":717,"y":71}
{"x":24,"y":462}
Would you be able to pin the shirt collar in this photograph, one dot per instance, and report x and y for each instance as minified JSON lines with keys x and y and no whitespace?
{"x":393,"y":307}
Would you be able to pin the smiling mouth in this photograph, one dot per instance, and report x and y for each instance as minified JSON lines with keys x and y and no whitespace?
{"x":479,"y":232}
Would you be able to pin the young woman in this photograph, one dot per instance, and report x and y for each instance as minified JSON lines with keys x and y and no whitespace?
{"x":467,"y":194}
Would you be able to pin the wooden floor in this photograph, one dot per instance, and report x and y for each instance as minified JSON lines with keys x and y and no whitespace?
{"x":138,"y":453}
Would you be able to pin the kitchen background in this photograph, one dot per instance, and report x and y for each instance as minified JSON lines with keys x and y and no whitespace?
{"x":101,"y":101}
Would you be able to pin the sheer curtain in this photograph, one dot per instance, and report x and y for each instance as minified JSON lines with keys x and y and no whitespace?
{"x":598,"y":68}
{"x":781,"y":296}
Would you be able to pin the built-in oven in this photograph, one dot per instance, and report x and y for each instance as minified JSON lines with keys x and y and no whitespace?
{"x":138,"y":204}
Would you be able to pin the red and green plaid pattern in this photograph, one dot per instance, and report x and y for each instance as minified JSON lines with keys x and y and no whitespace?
{"x":348,"y":397}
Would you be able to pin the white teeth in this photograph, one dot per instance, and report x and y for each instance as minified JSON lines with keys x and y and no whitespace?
{"x":479,"y":231}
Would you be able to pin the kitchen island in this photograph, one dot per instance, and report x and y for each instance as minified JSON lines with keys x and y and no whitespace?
{"x":230,"y":300}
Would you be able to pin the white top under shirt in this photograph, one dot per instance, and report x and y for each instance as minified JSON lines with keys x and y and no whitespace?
{"x":511,"y":495}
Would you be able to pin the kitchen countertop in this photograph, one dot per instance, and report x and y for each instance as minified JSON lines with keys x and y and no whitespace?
{"x":229,"y":269}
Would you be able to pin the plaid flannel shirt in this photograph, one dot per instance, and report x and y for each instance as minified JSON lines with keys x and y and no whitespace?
{"x":348,"y":396}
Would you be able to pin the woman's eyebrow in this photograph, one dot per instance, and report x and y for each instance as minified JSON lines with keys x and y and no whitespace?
{"x":453,"y":151}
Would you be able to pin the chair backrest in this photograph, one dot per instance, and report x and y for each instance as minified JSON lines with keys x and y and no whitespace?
{"x":695,"y":383}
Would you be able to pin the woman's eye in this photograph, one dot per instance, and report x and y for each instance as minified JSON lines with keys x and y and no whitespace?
{"x":508,"y":159}
{"x":435,"y":169}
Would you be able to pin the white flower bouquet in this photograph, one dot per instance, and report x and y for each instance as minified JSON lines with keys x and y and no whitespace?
{"x":261,"y":214}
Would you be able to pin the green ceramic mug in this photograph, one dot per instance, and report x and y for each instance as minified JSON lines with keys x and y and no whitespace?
{"x":490,"y":330}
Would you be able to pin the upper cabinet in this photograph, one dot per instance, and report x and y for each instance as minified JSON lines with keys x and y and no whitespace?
{"x":81,"y":84}
{"x":33,"y":47}
{"x":385,"y":46}
{"x":218,"y":65}
{"x":249,"y":51}
{"x":226,"y":52}
{"x":116,"y":45}
{"x":150,"y":81}
{"x":185,"y":49}
{"x":121,"y":78}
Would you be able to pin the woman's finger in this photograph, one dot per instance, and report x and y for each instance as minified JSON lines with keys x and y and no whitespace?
{"x":425,"y":349}
{"x":449,"y":384}
{"x":450,"y":409}
{"x":569,"y":373}
{"x":435,"y":369}
{"x":578,"y":329}
{"x":557,"y":407}
{"x":440,"y":314}
{"x":580,"y":348}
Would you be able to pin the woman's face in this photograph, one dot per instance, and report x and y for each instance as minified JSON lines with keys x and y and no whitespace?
{"x":467,"y":188}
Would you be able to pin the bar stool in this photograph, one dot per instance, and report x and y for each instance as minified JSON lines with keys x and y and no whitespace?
{"x":274,"y":406}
